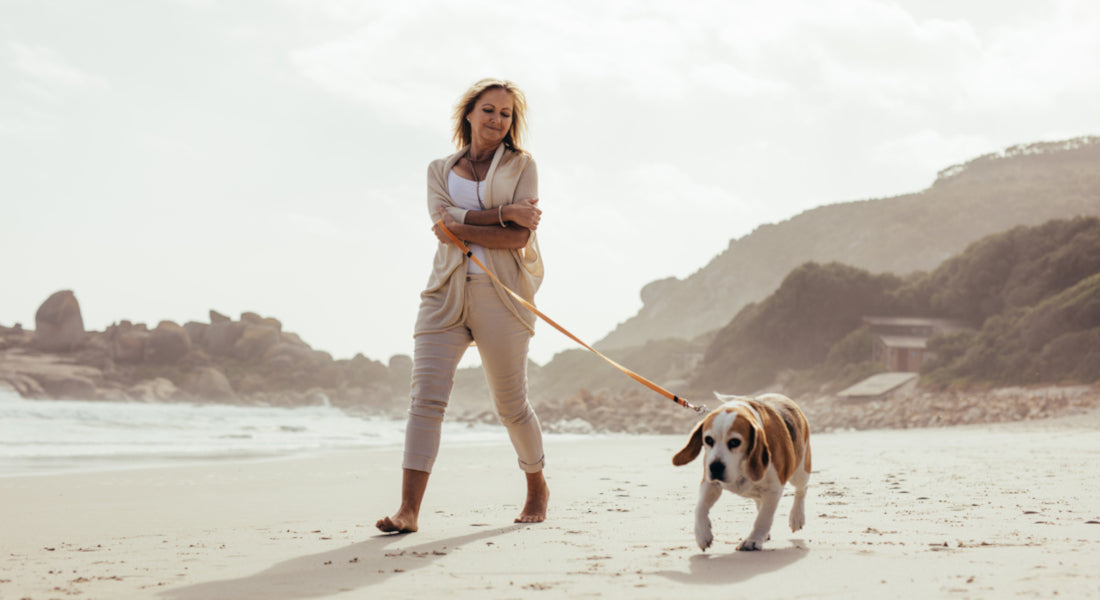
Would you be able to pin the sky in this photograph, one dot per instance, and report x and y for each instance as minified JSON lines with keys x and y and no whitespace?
{"x":162,"y":158}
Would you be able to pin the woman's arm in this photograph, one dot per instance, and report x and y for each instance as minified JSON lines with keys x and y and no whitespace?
{"x":489,"y":235}
{"x":524,"y":213}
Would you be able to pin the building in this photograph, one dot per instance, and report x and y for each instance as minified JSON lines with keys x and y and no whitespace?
{"x":881,"y":386}
{"x":900,"y":343}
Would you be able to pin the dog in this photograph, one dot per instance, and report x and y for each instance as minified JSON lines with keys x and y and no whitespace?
{"x":754,"y":446}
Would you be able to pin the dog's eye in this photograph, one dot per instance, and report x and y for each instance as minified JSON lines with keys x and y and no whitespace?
{"x":734,"y":443}
{"x":709,"y":441}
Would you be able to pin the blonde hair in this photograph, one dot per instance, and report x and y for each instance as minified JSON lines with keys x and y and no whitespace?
{"x":462,"y":133}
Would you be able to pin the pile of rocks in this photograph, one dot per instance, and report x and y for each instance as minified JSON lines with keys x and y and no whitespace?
{"x":250,"y":360}
{"x":622,"y":411}
{"x":938,"y":409}
{"x":639,"y":411}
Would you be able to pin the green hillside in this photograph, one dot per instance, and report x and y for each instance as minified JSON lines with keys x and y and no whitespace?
{"x":1031,"y":293}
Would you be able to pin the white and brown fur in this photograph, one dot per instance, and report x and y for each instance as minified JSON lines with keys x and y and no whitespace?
{"x":753,"y":447}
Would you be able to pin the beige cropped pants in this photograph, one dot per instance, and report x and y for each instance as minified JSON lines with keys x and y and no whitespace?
{"x":502,"y":342}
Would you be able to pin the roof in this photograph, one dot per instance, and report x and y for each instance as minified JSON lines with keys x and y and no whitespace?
{"x":877,"y":385}
{"x":946,"y":324}
{"x":904,"y":341}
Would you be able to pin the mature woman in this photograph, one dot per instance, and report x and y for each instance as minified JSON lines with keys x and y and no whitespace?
{"x":487,"y":195}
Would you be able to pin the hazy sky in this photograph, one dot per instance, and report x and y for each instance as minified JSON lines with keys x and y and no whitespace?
{"x":162,"y":158}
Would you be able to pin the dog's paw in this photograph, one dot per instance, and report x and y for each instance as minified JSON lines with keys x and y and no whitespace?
{"x":797,"y":520}
{"x":750,"y":545}
{"x":703,"y":535}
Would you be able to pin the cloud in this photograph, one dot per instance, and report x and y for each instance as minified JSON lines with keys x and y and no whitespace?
{"x":1036,"y":65}
{"x":414,"y":60}
{"x":46,"y":72}
{"x":930,"y":150}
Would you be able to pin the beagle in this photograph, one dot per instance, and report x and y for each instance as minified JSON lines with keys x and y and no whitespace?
{"x":754,"y":446}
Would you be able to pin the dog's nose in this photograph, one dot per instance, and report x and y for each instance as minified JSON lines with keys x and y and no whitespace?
{"x":717,"y":470}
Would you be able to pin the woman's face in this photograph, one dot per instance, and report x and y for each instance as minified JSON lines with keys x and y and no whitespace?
{"x":491,"y":117}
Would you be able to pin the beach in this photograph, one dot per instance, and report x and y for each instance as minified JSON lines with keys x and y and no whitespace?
{"x":991,"y":511}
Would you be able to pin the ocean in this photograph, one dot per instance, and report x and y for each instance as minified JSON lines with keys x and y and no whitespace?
{"x":54,"y":436}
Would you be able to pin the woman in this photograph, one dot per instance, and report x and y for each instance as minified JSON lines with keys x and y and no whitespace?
{"x":487,"y":195}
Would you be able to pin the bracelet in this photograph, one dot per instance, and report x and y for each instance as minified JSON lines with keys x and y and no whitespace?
{"x":500,"y":215}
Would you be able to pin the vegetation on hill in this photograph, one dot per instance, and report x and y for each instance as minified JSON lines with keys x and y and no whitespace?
{"x":815,"y":307}
{"x":1032,"y":294}
{"x":1024,"y":185}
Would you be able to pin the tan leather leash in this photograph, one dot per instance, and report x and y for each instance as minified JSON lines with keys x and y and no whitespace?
{"x":531,"y":307}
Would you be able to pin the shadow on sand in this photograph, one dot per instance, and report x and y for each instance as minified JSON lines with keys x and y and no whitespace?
{"x":317,"y":575}
{"x":736,"y":567}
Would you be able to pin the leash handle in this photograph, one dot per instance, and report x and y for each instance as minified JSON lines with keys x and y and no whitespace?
{"x":531,"y":307}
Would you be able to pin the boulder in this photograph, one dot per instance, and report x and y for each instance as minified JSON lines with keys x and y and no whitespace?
{"x":167,"y":343}
{"x":58,"y":324}
{"x":329,"y":376}
{"x":196,"y":358}
{"x":221,"y":336}
{"x":273,"y":322}
{"x":251,"y":318}
{"x":128,"y":345}
{"x":250,"y":383}
{"x":13,"y":337}
{"x":195,"y":331}
{"x":256,"y":340}
{"x":287,"y":354}
{"x":24,"y":385}
{"x":400,"y":373}
{"x":66,"y":385}
{"x":217,"y":317}
{"x":208,"y":383}
{"x":367,"y":370}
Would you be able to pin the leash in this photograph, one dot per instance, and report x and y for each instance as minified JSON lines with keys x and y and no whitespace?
{"x":531,"y":307}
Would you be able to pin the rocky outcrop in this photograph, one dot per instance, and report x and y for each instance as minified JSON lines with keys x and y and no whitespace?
{"x":220,"y":337}
{"x":127,"y":342}
{"x":49,"y":376}
{"x":257,"y":337}
{"x":208,"y":383}
{"x":167,"y":344}
{"x":250,"y":360}
{"x":16,"y":336}
{"x":58,"y":324}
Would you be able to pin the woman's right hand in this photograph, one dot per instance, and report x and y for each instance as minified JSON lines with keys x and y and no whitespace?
{"x":524,"y":213}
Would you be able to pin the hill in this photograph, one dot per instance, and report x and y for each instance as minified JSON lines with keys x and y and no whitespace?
{"x":1023,"y":185}
{"x":1032,"y":295}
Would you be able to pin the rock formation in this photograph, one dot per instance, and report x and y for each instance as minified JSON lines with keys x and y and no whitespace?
{"x":58,"y":325}
{"x":251,"y":360}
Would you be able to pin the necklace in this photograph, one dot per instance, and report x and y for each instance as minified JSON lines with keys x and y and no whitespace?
{"x":477,"y":176}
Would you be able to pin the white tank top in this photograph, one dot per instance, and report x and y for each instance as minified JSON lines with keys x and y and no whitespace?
{"x":464,"y":193}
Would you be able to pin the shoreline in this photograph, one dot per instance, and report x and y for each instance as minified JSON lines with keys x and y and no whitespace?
{"x":981,"y":511}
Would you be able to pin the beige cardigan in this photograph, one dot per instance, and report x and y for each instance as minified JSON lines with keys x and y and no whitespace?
{"x":512,"y":176}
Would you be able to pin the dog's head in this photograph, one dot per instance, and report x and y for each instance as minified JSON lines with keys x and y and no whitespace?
{"x":733,"y":440}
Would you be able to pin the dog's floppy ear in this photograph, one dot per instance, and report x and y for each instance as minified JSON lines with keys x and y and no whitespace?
{"x":691,"y":450}
{"x":757,"y":457}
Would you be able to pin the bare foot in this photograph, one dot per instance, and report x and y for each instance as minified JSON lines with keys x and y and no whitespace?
{"x":538,"y":496}
{"x":413,"y":484}
{"x":399,"y":523}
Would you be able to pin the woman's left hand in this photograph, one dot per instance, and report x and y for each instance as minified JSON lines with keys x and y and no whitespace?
{"x":525,"y":213}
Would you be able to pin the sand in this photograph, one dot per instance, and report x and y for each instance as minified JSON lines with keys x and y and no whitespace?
{"x":1000,"y":511}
